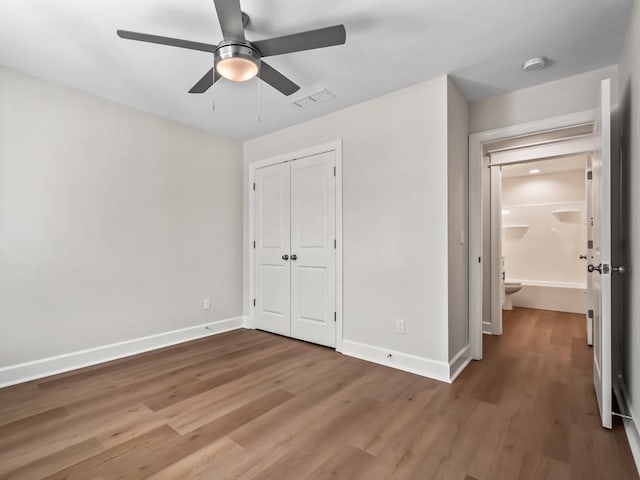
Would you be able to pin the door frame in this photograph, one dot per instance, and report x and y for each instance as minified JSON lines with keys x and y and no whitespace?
{"x":476,"y":221}
{"x":333,"y":146}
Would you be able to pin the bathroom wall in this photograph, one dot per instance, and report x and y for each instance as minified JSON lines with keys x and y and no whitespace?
{"x":543,"y":236}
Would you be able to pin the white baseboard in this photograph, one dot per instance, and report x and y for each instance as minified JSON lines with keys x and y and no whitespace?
{"x":25,"y":372}
{"x":630,"y":426}
{"x":633,"y":437}
{"x":458,"y":363}
{"x":247,"y":322}
{"x":402,"y":361}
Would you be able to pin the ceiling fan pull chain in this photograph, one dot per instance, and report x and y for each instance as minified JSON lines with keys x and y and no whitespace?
{"x":259,"y":101}
{"x":213,"y":93}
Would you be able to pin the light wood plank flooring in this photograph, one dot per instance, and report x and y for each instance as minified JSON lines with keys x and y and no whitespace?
{"x":250,"y":405}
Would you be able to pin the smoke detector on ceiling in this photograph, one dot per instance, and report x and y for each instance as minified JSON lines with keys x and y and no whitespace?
{"x":533,"y":64}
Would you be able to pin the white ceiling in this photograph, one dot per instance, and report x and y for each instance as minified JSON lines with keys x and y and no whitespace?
{"x":390,"y":44}
{"x":554,"y":165}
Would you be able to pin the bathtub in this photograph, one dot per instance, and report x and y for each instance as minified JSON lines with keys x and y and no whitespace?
{"x":558,"y":296}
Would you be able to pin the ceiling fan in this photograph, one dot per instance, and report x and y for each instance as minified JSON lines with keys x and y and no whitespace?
{"x":239,"y":60}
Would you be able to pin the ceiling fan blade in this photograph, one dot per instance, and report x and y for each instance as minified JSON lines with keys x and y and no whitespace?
{"x":173,"y":42}
{"x":206,"y":82}
{"x":230,"y":18}
{"x":323,"y":37}
{"x":277,"y":80}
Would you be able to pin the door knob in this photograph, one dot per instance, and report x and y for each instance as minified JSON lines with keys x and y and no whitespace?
{"x":294,"y":257}
{"x":618,"y":269}
{"x":583,"y":257}
{"x":285,"y":257}
{"x":593,"y":268}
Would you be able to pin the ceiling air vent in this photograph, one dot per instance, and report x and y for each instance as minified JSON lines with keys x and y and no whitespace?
{"x":313,"y":99}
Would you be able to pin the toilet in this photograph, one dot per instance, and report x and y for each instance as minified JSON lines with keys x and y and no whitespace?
{"x":509,"y":289}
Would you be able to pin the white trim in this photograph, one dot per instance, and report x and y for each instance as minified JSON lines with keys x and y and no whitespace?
{"x":554,"y":149}
{"x":476,"y":140}
{"x":546,"y":204}
{"x":458,"y":363}
{"x":496,"y":250}
{"x":334,"y":146}
{"x":631,"y":428}
{"x":633,"y":437}
{"x":425,"y":367}
{"x":339,"y":272}
{"x":550,"y":284}
{"x":24,"y":372}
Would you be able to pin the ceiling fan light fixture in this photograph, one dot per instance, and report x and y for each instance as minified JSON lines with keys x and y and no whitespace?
{"x":237,"y":63}
{"x":237,"y":69}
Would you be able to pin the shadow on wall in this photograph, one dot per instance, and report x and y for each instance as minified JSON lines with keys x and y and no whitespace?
{"x":622,"y":255}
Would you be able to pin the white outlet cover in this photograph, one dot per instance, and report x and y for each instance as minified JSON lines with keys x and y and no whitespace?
{"x":206,"y":304}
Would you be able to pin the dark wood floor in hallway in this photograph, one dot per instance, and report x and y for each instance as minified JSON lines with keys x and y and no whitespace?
{"x":250,"y":405}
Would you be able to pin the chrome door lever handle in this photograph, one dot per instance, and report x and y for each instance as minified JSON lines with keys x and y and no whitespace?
{"x":619,"y":269}
{"x":285,"y":257}
{"x":593,"y":268}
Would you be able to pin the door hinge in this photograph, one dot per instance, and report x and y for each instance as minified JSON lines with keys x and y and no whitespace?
{"x":479,"y":259}
{"x":334,"y":171}
{"x":590,"y":244}
{"x":335,"y":243}
{"x":589,"y":175}
{"x":254,"y":302}
{"x":590,"y":313}
{"x":254,"y":244}
{"x":335,"y":316}
{"x":254,"y":186}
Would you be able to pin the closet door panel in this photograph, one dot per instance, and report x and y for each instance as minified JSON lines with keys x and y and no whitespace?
{"x":312,"y":248}
{"x":272,"y":269}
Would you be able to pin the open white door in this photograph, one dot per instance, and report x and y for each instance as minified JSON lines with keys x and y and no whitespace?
{"x":589,"y":193}
{"x":599,"y":234}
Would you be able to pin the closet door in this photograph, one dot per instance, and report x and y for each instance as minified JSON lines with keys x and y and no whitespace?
{"x":313,"y":254}
{"x":273,"y":234}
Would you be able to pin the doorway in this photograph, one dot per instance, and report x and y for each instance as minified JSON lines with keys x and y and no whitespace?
{"x":602,"y":211}
{"x":538,"y":236}
{"x":295,"y":256}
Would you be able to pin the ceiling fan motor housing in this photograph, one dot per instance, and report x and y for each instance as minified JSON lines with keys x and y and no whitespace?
{"x":234,"y":49}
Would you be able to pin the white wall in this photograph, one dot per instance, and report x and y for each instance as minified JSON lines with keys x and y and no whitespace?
{"x":569,"y":95}
{"x":394,"y":214}
{"x":458,"y":211}
{"x":630,"y":99}
{"x":114,"y":224}
{"x":545,"y":257}
{"x":549,"y":250}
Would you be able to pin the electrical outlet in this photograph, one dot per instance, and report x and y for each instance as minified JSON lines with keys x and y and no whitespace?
{"x":206,"y":304}
{"x":400,"y":325}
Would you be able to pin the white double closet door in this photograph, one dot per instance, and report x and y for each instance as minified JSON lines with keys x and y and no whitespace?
{"x":295,"y":255}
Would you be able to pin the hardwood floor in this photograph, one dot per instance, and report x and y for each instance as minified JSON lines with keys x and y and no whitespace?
{"x":249,"y":405}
